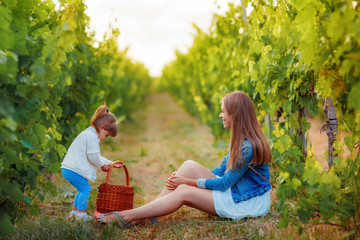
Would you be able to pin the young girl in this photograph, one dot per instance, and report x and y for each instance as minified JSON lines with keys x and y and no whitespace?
{"x":83,"y":158}
{"x":239,"y":188}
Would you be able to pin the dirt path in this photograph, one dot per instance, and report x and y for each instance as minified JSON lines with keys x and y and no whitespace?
{"x":159,"y":138}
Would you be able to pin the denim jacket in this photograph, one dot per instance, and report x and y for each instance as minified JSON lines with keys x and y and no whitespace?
{"x":244,"y":183}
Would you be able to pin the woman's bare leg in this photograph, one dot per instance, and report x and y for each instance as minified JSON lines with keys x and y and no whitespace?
{"x":190,"y":169}
{"x":183,"y":195}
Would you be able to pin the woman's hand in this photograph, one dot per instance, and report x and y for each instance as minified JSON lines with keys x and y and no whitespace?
{"x":175,"y":180}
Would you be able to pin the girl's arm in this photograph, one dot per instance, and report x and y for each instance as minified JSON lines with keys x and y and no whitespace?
{"x":106,"y":161}
{"x":95,"y":159}
{"x":107,"y":164}
{"x":93,"y":152}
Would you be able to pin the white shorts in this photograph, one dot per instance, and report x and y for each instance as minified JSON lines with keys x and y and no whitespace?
{"x":253,"y":207}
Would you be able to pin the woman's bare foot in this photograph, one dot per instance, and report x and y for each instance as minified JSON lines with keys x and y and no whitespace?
{"x":111,"y":217}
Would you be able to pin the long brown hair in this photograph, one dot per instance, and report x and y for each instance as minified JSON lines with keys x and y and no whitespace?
{"x":245,"y":125}
{"x":102,"y":116}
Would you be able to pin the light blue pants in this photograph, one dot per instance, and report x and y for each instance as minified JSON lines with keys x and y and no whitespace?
{"x":81,"y":184}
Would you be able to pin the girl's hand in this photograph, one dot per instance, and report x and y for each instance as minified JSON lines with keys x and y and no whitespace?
{"x":117,"y":164}
{"x":105,"y":168}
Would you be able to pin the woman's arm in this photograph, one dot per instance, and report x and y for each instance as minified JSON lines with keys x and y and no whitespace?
{"x":175,"y":180}
{"x":220,"y":171}
{"x":230,"y":177}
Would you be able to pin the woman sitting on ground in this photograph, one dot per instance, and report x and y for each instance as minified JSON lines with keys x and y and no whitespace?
{"x":237,"y":189}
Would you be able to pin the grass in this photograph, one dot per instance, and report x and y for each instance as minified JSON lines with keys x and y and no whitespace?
{"x":184,"y":224}
{"x":160,"y":137}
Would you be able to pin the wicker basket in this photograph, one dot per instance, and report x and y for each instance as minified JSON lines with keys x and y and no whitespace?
{"x":112,"y":197}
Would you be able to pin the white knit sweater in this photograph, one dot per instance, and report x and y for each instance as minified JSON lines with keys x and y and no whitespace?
{"x":83,"y":155}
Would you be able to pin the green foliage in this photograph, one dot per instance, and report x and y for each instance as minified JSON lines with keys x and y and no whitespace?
{"x":287,"y":56}
{"x":52,"y":80}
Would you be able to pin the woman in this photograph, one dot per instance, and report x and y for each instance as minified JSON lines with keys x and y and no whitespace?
{"x":238,"y":188}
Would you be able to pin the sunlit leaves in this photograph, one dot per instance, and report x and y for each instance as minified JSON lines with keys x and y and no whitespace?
{"x":8,"y":67}
{"x":312,"y":171}
{"x":353,"y":97}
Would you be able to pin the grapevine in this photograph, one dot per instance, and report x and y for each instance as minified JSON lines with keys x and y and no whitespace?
{"x":52,"y":80}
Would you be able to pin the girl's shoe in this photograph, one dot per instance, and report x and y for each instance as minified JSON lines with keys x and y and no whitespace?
{"x":72,"y":214}
{"x":82,"y":217}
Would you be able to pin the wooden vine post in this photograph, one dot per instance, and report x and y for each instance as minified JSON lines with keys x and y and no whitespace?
{"x":331,"y":128}
{"x":301,"y":132}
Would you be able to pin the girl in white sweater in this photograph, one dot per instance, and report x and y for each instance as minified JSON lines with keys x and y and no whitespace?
{"x":83,"y":158}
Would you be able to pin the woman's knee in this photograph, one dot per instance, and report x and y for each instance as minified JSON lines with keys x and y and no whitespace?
{"x":189,"y":163}
{"x":184,"y":192}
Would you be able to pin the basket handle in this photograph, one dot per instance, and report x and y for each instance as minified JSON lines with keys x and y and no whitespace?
{"x":118,"y":165}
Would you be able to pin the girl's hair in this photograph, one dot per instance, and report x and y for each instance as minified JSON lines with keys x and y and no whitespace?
{"x":245,"y":125}
{"x":102,"y":116}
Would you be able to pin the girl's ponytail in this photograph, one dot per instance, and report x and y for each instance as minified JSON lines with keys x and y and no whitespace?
{"x":99,"y":113}
{"x":102,"y":116}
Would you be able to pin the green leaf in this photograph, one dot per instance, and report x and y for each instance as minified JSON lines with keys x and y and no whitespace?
{"x":61,"y":150}
{"x":6,"y":226}
{"x":6,"y":35}
{"x":328,"y":207}
{"x":30,"y":140}
{"x":10,"y":154}
{"x":27,"y":199}
{"x":34,"y":210}
{"x":49,"y":158}
{"x":26,"y":144}
{"x":284,"y":222}
{"x":287,"y":106}
{"x":353,"y":97}
{"x":283,"y":143}
{"x":55,"y":167}
{"x":287,"y":61}
{"x":303,"y":215}
{"x":40,"y":131}
{"x":8,"y":66}
{"x":12,"y":190}
{"x":312,"y":171}
{"x":320,"y":60}
{"x":38,"y":69}
{"x":10,"y":3}
{"x":347,"y":208}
